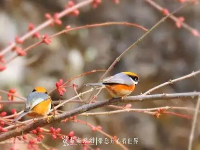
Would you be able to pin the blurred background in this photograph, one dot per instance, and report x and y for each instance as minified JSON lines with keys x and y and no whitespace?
{"x":166,"y":53}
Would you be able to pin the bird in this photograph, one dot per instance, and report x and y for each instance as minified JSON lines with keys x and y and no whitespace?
{"x":119,"y":85}
{"x":38,"y":104}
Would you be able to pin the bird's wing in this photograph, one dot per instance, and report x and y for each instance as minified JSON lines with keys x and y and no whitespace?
{"x":119,"y":78}
{"x":34,"y":99}
{"x":94,"y":84}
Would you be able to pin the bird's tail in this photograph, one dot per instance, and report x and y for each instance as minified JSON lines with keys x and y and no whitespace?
{"x":94,"y":84}
{"x":20,"y":116}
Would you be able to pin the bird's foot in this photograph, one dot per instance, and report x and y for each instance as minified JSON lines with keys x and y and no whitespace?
{"x":34,"y":120}
{"x":49,"y":118}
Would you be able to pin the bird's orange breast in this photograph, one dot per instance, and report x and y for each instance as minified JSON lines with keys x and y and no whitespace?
{"x":120,"y":90}
{"x":41,"y":109}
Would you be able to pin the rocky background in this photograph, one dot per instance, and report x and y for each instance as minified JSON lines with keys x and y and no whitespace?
{"x":166,"y":53}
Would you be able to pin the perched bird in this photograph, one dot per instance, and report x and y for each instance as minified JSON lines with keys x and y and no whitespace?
{"x":38,"y":104}
{"x":119,"y":85}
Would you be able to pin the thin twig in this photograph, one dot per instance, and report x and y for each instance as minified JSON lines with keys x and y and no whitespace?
{"x":140,"y":39}
{"x":174,"y":18}
{"x":54,"y":101}
{"x":15,"y":95}
{"x":78,"y":76}
{"x":194,"y":124}
{"x":132,"y":46}
{"x":46,"y":23}
{"x":136,"y":110}
{"x":102,"y":132}
{"x":172,"y":81}
{"x":78,"y":28}
{"x":147,"y":111}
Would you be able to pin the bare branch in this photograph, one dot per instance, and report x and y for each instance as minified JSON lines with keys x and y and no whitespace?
{"x":172,"y":81}
{"x":194,"y":124}
{"x":43,"y":121}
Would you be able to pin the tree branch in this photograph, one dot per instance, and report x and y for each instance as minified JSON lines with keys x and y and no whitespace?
{"x":194,"y":73}
{"x":46,"y":23}
{"x":194,"y":124}
{"x":139,"y":98}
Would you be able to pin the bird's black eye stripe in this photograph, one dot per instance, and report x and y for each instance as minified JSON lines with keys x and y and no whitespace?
{"x":34,"y":90}
{"x":46,"y":93}
{"x":134,"y":78}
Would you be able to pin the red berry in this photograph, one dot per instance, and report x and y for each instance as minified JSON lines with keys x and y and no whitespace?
{"x":14,"y":111}
{"x":71,"y":134}
{"x":3,"y":114}
{"x":34,"y":131}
